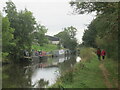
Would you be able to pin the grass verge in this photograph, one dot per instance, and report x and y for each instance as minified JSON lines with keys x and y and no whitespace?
{"x":87,"y":74}
{"x":45,"y":47}
{"x":112,"y":67}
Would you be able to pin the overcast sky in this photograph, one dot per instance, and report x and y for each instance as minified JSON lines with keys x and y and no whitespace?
{"x":54,"y":14}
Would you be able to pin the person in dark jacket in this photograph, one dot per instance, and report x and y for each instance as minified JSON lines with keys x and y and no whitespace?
{"x":103,"y":53}
{"x":99,"y":53}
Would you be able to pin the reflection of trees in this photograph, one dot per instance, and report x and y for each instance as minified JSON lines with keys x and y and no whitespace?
{"x":42,"y":83}
{"x":67,"y":64}
{"x":16,"y":77}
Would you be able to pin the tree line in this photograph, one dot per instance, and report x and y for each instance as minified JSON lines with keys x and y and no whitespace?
{"x":19,"y":31}
{"x":103,"y":30}
{"x":67,"y":38}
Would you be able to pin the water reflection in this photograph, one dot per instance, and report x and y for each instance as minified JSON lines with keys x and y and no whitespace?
{"x":39,"y":74}
{"x":48,"y":74}
{"x":78,"y":59}
{"x":42,"y":83}
{"x":68,"y":64}
{"x":13,"y":76}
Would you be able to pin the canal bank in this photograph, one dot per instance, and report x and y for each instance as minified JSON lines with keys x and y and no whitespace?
{"x":89,"y":74}
{"x":61,"y":72}
{"x":40,"y":73}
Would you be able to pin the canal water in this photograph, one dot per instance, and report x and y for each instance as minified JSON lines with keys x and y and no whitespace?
{"x":41,"y":73}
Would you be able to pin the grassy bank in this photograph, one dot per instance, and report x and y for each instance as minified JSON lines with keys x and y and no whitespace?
{"x":45,"y":47}
{"x":112,"y":67}
{"x":86,"y":74}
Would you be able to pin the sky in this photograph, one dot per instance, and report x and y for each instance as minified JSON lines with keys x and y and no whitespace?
{"x":54,"y":14}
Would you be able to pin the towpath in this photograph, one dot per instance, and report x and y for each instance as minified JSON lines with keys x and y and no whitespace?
{"x":105,"y":75}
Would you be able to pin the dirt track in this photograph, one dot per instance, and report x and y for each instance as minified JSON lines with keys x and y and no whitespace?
{"x":105,"y":75}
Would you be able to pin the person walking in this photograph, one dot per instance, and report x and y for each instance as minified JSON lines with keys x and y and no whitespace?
{"x":99,"y":54}
{"x":103,"y":53}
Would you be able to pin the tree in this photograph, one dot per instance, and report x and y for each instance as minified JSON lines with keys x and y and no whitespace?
{"x":7,"y":36}
{"x":67,"y":37}
{"x":39,"y":34}
{"x":99,"y":7}
{"x":7,"y":33}
{"x":26,"y":30}
{"x":23,"y":23}
{"x":11,"y":12}
{"x":90,"y":35}
{"x":103,"y":30}
{"x":71,"y":31}
{"x":25,"y":27}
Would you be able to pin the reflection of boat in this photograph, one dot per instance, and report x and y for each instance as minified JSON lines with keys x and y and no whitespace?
{"x":42,"y":54}
{"x":54,"y":63}
{"x":49,"y":54}
{"x":45,"y":65}
{"x":78,"y":59}
{"x":57,"y":53}
{"x":27,"y":57}
{"x":67,"y":51}
{"x":61,"y":60}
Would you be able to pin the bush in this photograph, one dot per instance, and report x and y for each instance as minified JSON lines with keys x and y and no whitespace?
{"x":4,"y":56}
{"x":86,"y":53}
{"x":67,"y":77}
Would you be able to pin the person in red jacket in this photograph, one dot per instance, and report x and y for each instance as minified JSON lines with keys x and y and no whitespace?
{"x":103,"y":53}
{"x":99,"y":53}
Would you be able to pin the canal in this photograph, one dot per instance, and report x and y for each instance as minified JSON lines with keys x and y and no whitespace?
{"x":40,"y":73}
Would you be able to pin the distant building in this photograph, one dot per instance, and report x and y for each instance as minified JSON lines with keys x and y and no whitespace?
{"x":53,"y":40}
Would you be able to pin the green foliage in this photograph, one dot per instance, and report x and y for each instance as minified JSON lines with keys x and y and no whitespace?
{"x":71,"y":31}
{"x":11,"y":12}
{"x":39,"y":35}
{"x":67,"y":37}
{"x":107,"y":34}
{"x":86,"y":53}
{"x":19,"y":31}
{"x":13,"y":76}
{"x":7,"y":34}
{"x":25,"y":28}
{"x":45,"y":47}
{"x":4,"y":57}
{"x":103,"y":30}
{"x":66,"y":76}
{"x":99,"y":7}
{"x":23,"y":24}
{"x":112,"y":67}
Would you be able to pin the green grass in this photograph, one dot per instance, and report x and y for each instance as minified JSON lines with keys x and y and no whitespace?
{"x":112,"y":67}
{"x":85,"y":74}
{"x":45,"y":47}
{"x":90,"y":76}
